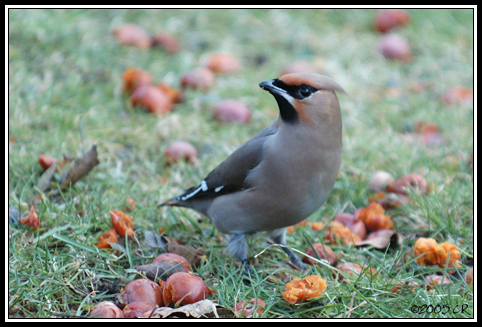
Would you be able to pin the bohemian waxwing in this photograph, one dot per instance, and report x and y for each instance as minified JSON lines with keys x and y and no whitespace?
{"x":282,"y":175}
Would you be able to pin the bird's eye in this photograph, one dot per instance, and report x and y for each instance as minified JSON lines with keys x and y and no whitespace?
{"x":305,"y":91}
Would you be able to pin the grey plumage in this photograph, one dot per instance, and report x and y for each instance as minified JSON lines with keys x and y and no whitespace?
{"x":283,"y":174}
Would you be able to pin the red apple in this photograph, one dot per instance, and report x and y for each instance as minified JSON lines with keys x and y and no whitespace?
{"x":229,"y":111}
{"x":223,"y":63}
{"x":414,"y":181}
{"x":323,"y":252}
{"x":173,"y":257}
{"x":141,"y":290}
{"x":387,"y":19}
{"x":176,"y":96}
{"x":152,"y":98}
{"x":379,"y":181}
{"x":458,"y":94}
{"x":133,"y":35}
{"x":46,"y":161}
{"x":106,"y":309}
{"x":166,"y":41}
{"x":200,"y":78}
{"x":298,"y":67}
{"x":136,"y":309}
{"x":180,"y":150}
{"x":184,"y":288}
{"x":247,"y":308}
{"x":133,"y":78}
{"x":394,"y":46}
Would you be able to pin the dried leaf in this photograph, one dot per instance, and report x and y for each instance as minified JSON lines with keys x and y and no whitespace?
{"x":32,"y":219}
{"x":382,"y":242}
{"x":193,"y":256}
{"x":204,"y":308}
{"x":44,"y":180}
{"x":155,"y":240}
{"x":117,"y":247}
{"x":161,"y":269}
{"x":80,"y":167}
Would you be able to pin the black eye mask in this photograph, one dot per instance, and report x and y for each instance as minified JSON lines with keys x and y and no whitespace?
{"x":298,"y":92}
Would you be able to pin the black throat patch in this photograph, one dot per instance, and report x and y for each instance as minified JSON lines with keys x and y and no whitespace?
{"x":287,"y":112}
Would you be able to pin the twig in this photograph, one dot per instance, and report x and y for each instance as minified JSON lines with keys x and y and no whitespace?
{"x":361,"y":304}
{"x":81,"y":166}
{"x":350,"y":305}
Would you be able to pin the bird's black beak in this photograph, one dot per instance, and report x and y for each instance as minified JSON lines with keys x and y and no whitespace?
{"x":271,"y":87}
{"x":277,"y":89}
{"x":266,"y":85}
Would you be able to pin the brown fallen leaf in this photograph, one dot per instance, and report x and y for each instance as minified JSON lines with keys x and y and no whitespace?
{"x":203,"y":308}
{"x":161,"y":269}
{"x":193,"y":256}
{"x":44,"y":180}
{"x":80,"y":167}
{"x":31,"y":219}
{"x":382,"y":242}
{"x":44,"y":184}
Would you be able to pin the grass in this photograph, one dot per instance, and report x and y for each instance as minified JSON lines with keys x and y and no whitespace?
{"x":65,"y":66}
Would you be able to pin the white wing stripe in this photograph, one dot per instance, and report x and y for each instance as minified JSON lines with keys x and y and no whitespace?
{"x":190,"y":195}
{"x":203,"y":187}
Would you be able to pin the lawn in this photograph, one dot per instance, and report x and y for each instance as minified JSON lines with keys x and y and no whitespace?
{"x":65,"y":94}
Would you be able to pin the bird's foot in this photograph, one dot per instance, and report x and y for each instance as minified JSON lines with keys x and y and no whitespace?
{"x":297,"y":264}
{"x":295,"y":261}
{"x":247,"y":271}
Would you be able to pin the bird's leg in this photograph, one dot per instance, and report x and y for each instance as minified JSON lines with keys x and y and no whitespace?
{"x":279,"y":236}
{"x":238,"y":248}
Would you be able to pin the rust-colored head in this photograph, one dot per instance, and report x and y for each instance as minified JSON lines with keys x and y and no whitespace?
{"x":305,"y":97}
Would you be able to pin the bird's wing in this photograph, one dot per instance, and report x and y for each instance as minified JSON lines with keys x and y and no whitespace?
{"x":230,"y":175}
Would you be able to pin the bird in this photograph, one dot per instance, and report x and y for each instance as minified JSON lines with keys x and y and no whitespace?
{"x":283,"y":174}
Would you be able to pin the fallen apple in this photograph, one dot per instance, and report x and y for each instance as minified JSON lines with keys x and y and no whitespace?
{"x":180,"y":150}
{"x":184,"y":288}
{"x":140,"y":290}
{"x":229,"y":111}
